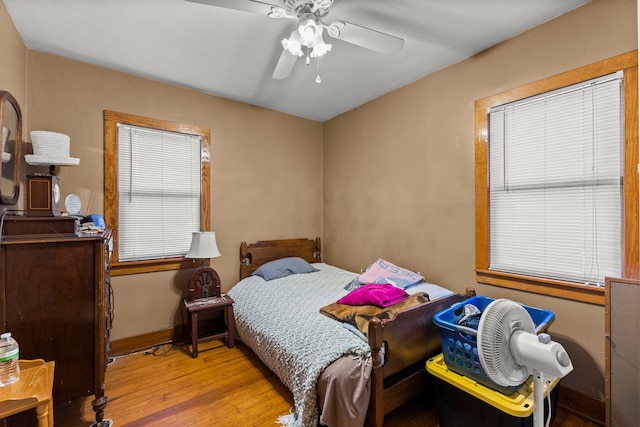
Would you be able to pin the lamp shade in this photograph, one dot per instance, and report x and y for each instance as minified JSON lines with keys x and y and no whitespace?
{"x":203,"y":245}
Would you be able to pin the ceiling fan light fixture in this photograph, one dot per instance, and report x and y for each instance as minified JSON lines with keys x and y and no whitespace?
{"x":292,"y":44}
{"x":308,"y":34}
{"x":308,"y":29}
{"x":320,"y":48}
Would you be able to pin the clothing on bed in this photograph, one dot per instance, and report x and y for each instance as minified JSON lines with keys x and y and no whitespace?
{"x":378,"y":294}
{"x":359,"y":315}
{"x":280,"y":321}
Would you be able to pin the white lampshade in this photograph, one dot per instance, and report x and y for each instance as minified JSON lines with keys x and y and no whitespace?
{"x":203,"y":245}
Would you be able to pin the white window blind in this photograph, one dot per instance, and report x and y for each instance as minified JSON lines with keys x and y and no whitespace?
{"x":555,"y":183}
{"x":159,"y":181}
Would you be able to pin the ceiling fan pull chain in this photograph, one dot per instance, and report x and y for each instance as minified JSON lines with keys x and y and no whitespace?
{"x":318,"y":79}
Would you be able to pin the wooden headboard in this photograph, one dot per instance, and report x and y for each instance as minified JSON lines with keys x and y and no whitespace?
{"x":253,"y":255}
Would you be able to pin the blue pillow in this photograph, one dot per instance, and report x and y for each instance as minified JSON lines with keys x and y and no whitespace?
{"x":284,"y":267}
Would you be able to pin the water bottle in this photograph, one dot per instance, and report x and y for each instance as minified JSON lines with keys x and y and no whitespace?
{"x":9,"y":354}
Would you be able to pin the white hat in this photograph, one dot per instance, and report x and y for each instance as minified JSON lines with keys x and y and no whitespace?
{"x":5,"y":156}
{"x":50,"y":148}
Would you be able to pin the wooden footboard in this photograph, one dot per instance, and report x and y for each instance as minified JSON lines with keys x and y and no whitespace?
{"x":409,"y":340}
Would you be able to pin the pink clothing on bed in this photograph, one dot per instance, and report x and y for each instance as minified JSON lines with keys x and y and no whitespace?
{"x":378,"y":294}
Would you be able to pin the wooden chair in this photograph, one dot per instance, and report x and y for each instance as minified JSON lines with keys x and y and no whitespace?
{"x":205,"y":296}
{"x":32,"y":390}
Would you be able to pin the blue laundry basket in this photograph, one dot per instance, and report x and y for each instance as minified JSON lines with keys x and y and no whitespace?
{"x":459,"y":343}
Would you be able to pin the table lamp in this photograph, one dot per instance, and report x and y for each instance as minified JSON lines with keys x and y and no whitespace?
{"x":204,"y":281}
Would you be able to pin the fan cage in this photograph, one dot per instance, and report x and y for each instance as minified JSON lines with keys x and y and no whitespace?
{"x":499,"y":322}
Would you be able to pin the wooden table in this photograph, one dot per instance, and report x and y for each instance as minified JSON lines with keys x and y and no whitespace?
{"x":196,"y":306}
{"x":32,"y":390}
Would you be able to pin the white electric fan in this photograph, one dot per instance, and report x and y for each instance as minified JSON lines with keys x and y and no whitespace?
{"x":510,"y":351}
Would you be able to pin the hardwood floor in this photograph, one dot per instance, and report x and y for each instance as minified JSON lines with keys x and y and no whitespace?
{"x":222,"y":387}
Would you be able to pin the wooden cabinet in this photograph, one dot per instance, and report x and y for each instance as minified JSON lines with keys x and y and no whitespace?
{"x":55,"y":300}
{"x":622,"y":352}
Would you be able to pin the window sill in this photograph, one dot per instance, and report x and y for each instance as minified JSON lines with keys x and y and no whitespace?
{"x":554,"y":288}
{"x":149,"y":266}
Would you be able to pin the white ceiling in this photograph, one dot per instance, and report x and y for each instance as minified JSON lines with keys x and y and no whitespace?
{"x":232,"y":53}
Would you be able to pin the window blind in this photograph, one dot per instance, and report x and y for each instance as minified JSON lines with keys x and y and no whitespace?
{"x":555,"y":183}
{"x":159,"y":179}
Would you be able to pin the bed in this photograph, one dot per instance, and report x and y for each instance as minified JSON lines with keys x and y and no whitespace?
{"x":386,"y":368}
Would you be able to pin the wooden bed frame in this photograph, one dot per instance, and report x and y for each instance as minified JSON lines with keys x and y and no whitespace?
{"x":408,"y":341}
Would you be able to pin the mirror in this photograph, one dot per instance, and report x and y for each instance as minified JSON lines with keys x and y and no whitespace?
{"x":11,"y":122}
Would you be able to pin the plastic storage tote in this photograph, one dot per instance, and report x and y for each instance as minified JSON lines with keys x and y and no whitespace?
{"x":463,"y":402}
{"x":459,"y":343}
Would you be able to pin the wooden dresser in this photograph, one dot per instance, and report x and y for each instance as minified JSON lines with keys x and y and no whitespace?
{"x":55,"y":300}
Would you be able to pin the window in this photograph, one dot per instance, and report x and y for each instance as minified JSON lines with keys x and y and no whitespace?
{"x":555,"y":187}
{"x":556,"y":182}
{"x":156,"y":190}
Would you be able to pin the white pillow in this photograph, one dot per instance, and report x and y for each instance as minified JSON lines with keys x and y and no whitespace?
{"x":383,"y":271}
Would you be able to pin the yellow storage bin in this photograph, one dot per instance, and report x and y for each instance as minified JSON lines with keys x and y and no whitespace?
{"x":516,"y":406}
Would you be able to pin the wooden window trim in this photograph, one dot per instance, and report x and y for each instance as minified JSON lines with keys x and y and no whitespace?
{"x":631,"y":268}
{"x":111,"y":120}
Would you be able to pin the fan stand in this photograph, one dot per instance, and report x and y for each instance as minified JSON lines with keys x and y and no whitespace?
{"x":538,"y":399}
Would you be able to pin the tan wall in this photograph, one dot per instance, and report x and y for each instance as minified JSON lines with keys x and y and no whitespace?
{"x":264,"y":174}
{"x":399,"y":171}
{"x":12,"y":71}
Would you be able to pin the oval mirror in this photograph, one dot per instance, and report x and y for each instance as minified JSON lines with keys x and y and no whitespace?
{"x":11,"y":122}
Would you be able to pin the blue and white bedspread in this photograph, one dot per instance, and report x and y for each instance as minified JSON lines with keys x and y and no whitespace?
{"x":280,"y":321}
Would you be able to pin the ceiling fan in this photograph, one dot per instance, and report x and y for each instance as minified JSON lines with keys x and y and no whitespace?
{"x":308,"y":32}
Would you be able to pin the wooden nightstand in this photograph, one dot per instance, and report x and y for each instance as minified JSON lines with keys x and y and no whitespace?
{"x":206,"y":305}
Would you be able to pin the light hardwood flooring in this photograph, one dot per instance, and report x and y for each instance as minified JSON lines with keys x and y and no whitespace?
{"x":222,"y":387}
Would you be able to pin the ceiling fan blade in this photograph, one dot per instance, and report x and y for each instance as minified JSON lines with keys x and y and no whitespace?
{"x":365,"y":37}
{"x":285,"y":65}
{"x":252,"y":6}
